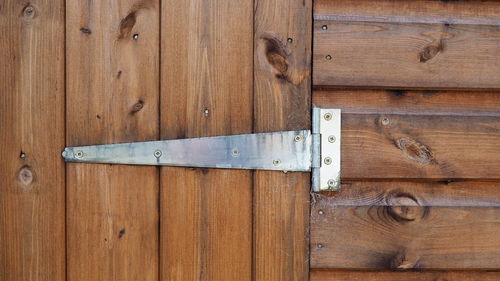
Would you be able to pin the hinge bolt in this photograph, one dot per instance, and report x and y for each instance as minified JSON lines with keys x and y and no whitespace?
{"x":298,"y":138}
{"x":328,"y":160}
{"x":157,"y":153}
{"x":276,"y":162}
{"x":327,"y":116}
{"x":79,"y":154}
{"x":332,"y":139}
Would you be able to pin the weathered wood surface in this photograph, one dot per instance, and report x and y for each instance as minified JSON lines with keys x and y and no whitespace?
{"x":324,"y":275}
{"x":206,"y":90}
{"x":404,"y":236}
{"x":112,"y":96}
{"x":424,"y":11}
{"x":427,"y":141}
{"x":392,"y":193}
{"x":402,"y":44}
{"x":282,"y":101}
{"x":32,"y":202}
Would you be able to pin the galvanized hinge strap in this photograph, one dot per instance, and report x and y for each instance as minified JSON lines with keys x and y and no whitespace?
{"x":317,"y":151}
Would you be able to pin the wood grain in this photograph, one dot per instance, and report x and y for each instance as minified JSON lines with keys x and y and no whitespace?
{"x":326,"y":275}
{"x":409,"y":55}
{"x":112,"y":96}
{"x":423,"y":11}
{"x":405,"y":236}
{"x":391,"y":193}
{"x":424,"y":141}
{"x":32,"y":235}
{"x":282,"y":101}
{"x":206,"y":90}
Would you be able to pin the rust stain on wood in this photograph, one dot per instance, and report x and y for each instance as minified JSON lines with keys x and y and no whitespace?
{"x":415,"y":150}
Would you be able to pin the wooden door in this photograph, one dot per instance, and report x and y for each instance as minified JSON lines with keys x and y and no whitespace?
{"x":417,"y":81}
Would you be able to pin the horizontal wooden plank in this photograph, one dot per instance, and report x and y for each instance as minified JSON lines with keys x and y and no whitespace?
{"x":428,"y":11}
{"x":409,"y":55}
{"x":337,"y":275}
{"x":448,"y":144}
{"x":404,"y":237}
{"x":397,"y":193}
{"x":411,"y":102}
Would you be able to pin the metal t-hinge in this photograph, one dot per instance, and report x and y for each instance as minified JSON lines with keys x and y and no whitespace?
{"x":317,"y":151}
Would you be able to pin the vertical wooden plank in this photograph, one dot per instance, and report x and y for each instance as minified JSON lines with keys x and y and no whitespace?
{"x":32,"y":239}
{"x":206,"y":215}
{"x":112,"y":96}
{"x":282,"y":100}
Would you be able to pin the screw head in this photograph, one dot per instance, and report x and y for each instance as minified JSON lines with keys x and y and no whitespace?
{"x":135,"y":36}
{"x":328,"y":160}
{"x":327,"y":116}
{"x":298,"y":138}
{"x":290,"y":40}
{"x":206,"y":111}
{"x":385,"y":121}
{"x":276,"y":162}
{"x":328,"y":57}
{"x":235,"y":152}
{"x":331,"y":139}
{"x":331,"y":183}
{"x":22,"y":155}
{"x":320,"y":246}
{"x":321,"y":212}
{"x":324,"y":27}
{"x":78,"y":154}
{"x":157,"y":153}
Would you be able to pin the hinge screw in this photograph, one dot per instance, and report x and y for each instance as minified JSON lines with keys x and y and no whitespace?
{"x":328,"y":160}
{"x":79,"y":154}
{"x":327,"y":116}
{"x":298,"y":138}
{"x":276,"y":162}
{"x":235,"y":152}
{"x":331,"y":183}
{"x":331,"y":139}
{"x":157,"y":153}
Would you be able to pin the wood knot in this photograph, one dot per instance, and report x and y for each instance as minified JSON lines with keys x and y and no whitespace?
{"x":403,"y":261}
{"x":126,"y":25}
{"x":138,"y":106}
{"x":121,"y":233}
{"x":86,"y":30}
{"x":277,"y":53}
{"x":415,"y":151}
{"x":403,"y":207}
{"x":29,"y":12}
{"x":431,"y":51}
{"x":25,"y":176}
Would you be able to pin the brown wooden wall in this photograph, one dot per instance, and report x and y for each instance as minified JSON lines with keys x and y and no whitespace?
{"x":417,"y":82}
